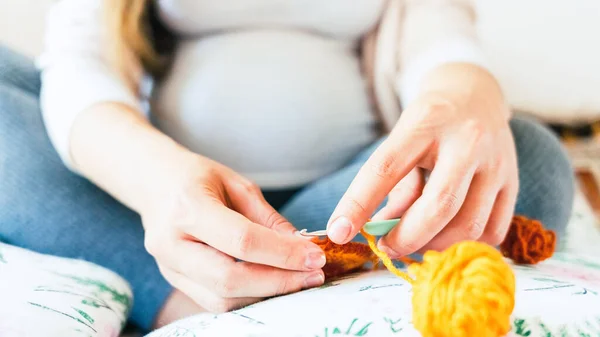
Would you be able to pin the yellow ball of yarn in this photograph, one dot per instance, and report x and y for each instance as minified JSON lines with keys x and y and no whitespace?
{"x":465,"y":291}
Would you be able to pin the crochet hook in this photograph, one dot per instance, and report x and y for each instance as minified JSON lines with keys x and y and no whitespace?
{"x":377,"y":228}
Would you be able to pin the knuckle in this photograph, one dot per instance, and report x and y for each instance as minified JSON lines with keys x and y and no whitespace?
{"x":289,"y":258}
{"x":384,"y":168}
{"x":434,"y":105}
{"x":446,"y":203}
{"x":274,"y":220}
{"x":495,"y":163}
{"x":284,"y":286}
{"x":209,"y":172}
{"x":152,"y":244}
{"x":227,"y":283}
{"x":475,"y":130}
{"x":356,"y":206}
{"x":244,"y":242}
{"x":473,"y":229}
{"x":250,"y":187}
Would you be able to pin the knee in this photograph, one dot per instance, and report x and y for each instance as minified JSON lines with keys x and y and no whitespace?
{"x":18,"y":71}
{"x":547,"y":184}
{"x":29,"y":168}
{"x":22,"y":130}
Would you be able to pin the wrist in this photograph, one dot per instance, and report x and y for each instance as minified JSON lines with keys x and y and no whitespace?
{"x":122,"y":153}
{"x":468,"y":86}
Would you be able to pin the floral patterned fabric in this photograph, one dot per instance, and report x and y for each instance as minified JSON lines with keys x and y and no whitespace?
{"x":48,"y":296}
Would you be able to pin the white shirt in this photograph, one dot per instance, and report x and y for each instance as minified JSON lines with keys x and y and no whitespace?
{"x":271,"y":88}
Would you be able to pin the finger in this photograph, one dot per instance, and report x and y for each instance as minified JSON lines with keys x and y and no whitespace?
{"x":501,"y":216}
{"x":404,"y":194}
{"x":249,"y":279}
{"x":247,"y":198}
{"x":442,"y":197}
{"x":392,"y":160}
{"x":236,"y":236}
{"x":204,"y":297}
{"x":472,"y":218}
{"x":227,"y":278}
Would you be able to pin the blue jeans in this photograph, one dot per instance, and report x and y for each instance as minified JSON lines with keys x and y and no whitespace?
{"x":46,"y":208}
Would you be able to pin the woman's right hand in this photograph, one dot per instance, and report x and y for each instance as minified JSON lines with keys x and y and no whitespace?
{"x":217,"y":240}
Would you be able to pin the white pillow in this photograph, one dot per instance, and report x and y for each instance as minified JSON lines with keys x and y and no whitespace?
{"x":42,"y":295}
{"x":546,"y":54}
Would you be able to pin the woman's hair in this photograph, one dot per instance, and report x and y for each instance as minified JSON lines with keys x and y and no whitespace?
{"x":136,"y":36}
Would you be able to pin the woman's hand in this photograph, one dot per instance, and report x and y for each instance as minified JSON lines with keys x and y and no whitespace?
{"x":458,"y":129}
{"x":213,"y":217}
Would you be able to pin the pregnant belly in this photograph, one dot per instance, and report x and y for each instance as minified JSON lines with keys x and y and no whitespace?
{"x":281,"y":107}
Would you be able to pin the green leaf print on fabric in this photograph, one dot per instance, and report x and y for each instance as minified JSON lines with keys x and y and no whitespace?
{"x":352,"y":330}
{"x":549,"y":280}
{"x":582,"y":333}
{"x":181,"y":332}
{"x":2,"y":260}
{"x":62,"y":313}
{"x":118,"y":297}
{"x":81,"y":331}
{"x":564,"y":332}
{"x":546,"y":332}
{"x":393,"y":324}
{"x":521,"y":328}
{"x":85,"y":315}
{"x":577,"y":260}
{"x":595,"y":329}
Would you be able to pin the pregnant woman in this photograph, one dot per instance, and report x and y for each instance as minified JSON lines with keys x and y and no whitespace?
{"x":181,"y":143}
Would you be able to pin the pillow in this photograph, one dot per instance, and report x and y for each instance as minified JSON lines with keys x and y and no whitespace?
{"x":546,"y":55}
{"x":49,"y":296}
{"x":558,"y":297}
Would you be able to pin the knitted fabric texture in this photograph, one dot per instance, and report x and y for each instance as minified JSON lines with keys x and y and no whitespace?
{"x":466,"y":290}
{"x":345,"y":259}
{"x":527,"y":242}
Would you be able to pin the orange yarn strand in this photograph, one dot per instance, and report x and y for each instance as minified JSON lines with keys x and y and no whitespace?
{"x":387,"y":262}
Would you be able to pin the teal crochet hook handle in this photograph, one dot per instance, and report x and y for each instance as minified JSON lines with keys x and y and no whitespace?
{"x":381,"y":227}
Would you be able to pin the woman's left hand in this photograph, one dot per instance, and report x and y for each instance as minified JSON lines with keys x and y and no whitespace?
{"x":458,"y":129}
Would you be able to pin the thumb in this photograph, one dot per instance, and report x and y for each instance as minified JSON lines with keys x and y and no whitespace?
{"x":402,"y":196}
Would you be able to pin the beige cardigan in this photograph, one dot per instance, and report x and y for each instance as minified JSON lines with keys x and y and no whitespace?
{"x":412,"y":37}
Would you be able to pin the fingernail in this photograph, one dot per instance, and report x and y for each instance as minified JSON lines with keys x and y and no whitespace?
{"x":315,"y":260}
{"x":392,"y":254}
{"x":314,"y":280}
{"x":339,"y":230}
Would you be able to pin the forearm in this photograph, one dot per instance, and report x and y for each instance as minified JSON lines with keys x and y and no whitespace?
{"x":121,"y":152}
